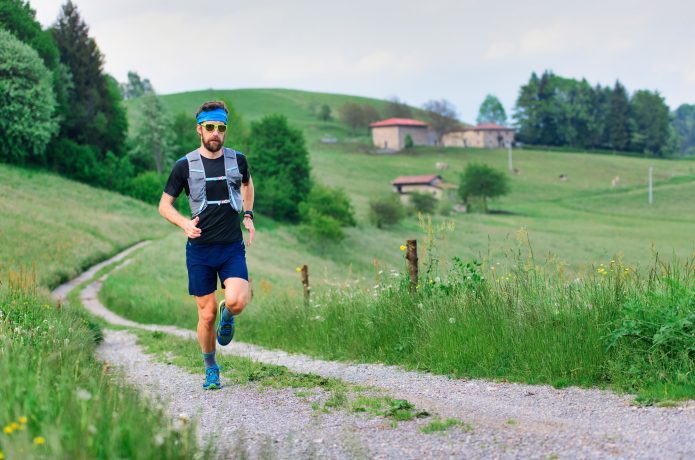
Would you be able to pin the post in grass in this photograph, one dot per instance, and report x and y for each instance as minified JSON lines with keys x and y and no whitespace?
{"x":411,"y":257}
{"x":305,"y":283}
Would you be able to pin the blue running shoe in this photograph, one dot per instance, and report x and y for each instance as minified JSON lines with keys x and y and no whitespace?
{"x":225,"y":329}
{"x":212,"y":378}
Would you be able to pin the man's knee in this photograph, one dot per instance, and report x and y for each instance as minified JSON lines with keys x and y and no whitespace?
{"x":236,"y":304}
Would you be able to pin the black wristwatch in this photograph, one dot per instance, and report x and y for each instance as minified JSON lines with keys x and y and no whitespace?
{"x":248,"y":213}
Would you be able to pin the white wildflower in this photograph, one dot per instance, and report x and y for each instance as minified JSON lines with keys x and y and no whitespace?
{"x":452,"y":320}
{"x":83,"y":394}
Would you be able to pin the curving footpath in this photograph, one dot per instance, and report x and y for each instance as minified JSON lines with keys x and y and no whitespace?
{"x":509,"y":420}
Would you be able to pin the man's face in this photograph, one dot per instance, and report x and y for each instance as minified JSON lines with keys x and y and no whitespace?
{"x":212,"y":140}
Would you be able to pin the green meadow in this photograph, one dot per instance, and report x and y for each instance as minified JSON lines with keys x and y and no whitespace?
{"x":545,"y":234}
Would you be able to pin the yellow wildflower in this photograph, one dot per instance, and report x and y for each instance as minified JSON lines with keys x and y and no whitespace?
{"x":2,"y":456}
{"x":39,"y":440}
{"x":14,"y":425}
{"x":298,"y":269}
{"x":403,"y":248}
{"x":23,"y":420}
{"x":8,"y":429}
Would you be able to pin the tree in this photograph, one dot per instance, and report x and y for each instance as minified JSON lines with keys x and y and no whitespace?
{"x":618,"y":118}
{"x":135,"y":86}
{"x":325,"y":113}
{"x":94,"y":117}
{"x":652,"y":123}
{"x":409,"y":142}
{"x":278,"y":154}
{"x":492,"y":111}
{"x":27,"y":102}
{"x":526,"y":115}
{"x":154,"y":139}
{"x":442,"y":116}
{"x":386,"y":210}
{"x":186,"y":138}
{"x":19,"y":18}
{"x":684,"y":125}
{"x":480,"y":180}
{"x":395,"y":108}
{"x":358,"y":115}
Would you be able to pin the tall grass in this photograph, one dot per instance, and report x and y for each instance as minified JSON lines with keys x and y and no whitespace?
{"x":611,"y":327}
{"x":57,"y":401}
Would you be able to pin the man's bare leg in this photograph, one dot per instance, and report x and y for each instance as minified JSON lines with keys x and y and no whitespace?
{"x":207,"y":312}
{"x":236,"y":294}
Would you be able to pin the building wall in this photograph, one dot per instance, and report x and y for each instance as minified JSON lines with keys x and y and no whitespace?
{"x":405,"y":189}
{"x":478,"y":138}
{"x":393,"y":137}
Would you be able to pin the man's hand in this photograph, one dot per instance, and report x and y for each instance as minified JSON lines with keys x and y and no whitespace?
{"x":190,"y":228}
{"x":248,"y":225}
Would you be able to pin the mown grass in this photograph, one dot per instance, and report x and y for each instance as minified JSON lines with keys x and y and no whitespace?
{"x":58,"y":401}
{"x":59,"y":227}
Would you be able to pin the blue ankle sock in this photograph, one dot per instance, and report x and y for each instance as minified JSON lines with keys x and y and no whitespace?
{"x":209,"y":359}
{"x":226,"y":314}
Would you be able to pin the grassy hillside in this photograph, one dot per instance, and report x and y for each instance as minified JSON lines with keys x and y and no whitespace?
{"x":58,"y":227}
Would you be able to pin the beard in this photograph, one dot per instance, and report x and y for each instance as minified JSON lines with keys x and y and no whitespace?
{"x":213,"y":145}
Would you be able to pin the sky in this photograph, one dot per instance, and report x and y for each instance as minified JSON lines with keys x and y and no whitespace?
{"x":416,"y":51}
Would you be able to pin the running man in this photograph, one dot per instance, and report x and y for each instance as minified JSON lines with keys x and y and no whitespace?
{"x":219,"y":187}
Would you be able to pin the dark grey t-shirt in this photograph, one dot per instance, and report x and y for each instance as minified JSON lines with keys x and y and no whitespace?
{"x":218,"y":223}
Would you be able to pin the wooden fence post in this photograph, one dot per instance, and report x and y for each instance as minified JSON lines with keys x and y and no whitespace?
{"x":411,"y":257}
{"x":305,"y":283}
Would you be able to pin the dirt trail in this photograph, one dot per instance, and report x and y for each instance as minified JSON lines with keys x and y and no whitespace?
{"x":509,"y":420}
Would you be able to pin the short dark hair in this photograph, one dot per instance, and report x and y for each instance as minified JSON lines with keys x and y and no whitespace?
{"x":212,"y":105}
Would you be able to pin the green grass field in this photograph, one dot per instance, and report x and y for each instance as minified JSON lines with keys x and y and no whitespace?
{"x":59,"y":227}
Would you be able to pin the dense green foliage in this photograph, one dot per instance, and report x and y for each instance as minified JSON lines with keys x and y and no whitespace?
{"x":425,"y":203}
{"x":386,"y":210}
{"x":482,"y":181}
{"x":26,"y":100}
{"x":492,"y":111}
{"x":333,"y":202}
{"x":135,"y":86}
{"x":684,"y":125}
{"x":96,"y":116}
{"x":558,"y":111}
{"x":279,"y":155}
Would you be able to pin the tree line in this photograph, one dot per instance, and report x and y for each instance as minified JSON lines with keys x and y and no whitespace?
{"x":556,"y":111}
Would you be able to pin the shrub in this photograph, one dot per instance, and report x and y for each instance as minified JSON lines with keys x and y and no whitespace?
{"x":425,"y":203}
{"x":27,"y":102}
{"x":409,"y":144}
{"x":331,"y":202}
{"x":147,"y":187}
{"x":325,"y":113}
{"x":322,"y":228}
{"x":386,"y":210}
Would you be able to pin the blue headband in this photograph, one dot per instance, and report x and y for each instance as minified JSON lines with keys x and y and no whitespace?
{"x":212,"y":115}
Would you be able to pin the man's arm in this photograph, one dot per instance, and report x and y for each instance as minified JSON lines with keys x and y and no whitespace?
{"x":169,"y":212}
{"x":247,"y":197}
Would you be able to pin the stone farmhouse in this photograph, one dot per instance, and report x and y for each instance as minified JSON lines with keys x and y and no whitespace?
{"x":486,"y":135}
{"x":390,"y":134}
{"x":428,"y":183}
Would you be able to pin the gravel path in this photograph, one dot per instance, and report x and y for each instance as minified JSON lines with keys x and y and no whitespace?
{"x":509,"y":420}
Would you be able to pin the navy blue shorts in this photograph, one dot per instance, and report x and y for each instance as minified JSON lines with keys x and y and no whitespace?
{"x":206,"y":262}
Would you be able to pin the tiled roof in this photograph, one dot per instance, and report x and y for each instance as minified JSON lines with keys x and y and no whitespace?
{"x":398,"y":122}
{"x":415,"y":180}
{"x":491,"y":127}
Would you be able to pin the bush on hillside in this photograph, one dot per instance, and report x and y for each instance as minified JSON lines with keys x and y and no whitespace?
{"x":331,"y":202}
{"x":147,"y":187}
{"x":278,"y":154}
{"x":321,"y":228}
{"x":425,"y":203}
{"x":386,"y":210}
{"x":26,"y":100}
{"x":409,"y":143}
